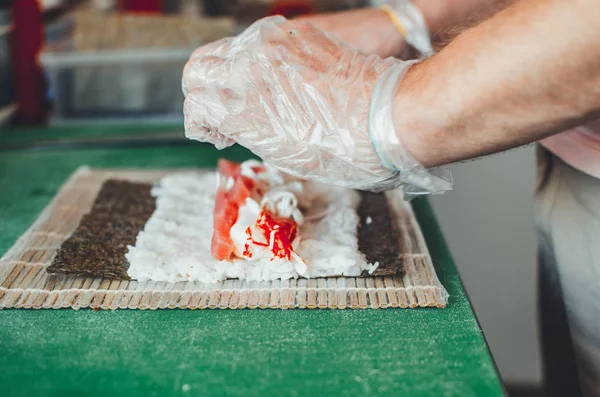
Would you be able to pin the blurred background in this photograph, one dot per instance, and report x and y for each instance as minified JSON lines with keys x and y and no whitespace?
{"x":119,"y":62}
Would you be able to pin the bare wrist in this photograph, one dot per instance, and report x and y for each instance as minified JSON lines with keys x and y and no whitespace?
{"x":428,"y":115}
{"x":411,"y":123}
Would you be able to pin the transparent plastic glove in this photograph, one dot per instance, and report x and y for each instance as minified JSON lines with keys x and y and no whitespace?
{"x":368,"y":29}
{"x":304,"y":102}
{"x":413,"y":25}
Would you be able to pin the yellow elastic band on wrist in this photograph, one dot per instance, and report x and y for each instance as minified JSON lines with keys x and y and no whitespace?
{"x":392,"y":15}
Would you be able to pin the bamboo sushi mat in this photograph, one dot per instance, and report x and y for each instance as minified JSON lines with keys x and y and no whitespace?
{"x":24,"y":282}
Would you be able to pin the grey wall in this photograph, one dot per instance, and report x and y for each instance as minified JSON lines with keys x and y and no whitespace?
{"x":487,"y":222}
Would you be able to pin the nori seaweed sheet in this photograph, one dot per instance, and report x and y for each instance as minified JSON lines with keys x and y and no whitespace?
{"x":121,"y":209}
{"x":378,"y":240}
{"x":97,"y":247}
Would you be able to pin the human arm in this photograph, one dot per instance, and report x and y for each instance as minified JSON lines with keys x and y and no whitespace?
{"x":528,"y":72}
{"x":304,"y":101}
{"x":300,"y":99}
{"x":373,"y":32}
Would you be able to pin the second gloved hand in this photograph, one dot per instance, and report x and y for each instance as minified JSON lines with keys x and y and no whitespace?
{"x":306,"y":103}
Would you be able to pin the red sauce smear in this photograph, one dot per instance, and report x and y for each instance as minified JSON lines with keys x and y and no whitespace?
{"x":227,"y":203}
{"x":283,"y":232}
{"x":247,"y":252}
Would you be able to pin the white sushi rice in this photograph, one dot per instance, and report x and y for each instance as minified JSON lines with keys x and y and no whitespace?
{"x":175,"y":244}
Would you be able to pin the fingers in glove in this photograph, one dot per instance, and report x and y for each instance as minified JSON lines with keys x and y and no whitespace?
{"x":208,"y":70}
{"x":260,"y":26}
{"x":216,"y":48}
{"x":206,"y":111}
{"x":296,"y":41}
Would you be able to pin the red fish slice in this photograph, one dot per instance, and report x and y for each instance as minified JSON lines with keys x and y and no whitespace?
{"x":224,"y":217}
{"x":228,"y":168}
{"x":227,"y":204}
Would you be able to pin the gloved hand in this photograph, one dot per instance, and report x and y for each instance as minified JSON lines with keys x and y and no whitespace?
{"x":373,"y":32}
{"x":304,"y":102}
{"x":368,"y":29}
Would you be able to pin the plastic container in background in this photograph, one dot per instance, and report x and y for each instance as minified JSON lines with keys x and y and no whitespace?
{"x":107,"y":86}
{"x":120,"y":68}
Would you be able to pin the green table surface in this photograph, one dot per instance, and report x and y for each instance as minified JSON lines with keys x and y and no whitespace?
{"x":392,"y":352}
{"x":29,"y":135}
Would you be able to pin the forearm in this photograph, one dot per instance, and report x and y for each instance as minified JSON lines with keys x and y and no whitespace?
{"x":528,"y":72}
{"x":443,"y":16}
{"x":373,"y":32}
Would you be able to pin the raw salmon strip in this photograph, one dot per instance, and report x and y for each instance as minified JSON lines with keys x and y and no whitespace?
{"x":227,"y":204}
{"x":222,"y":245}
{"x":228,"y":168}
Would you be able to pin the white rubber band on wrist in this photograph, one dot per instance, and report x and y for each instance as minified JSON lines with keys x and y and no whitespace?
{"x":413,"y":23}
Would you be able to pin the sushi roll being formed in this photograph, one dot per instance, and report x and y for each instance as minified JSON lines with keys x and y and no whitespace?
{"x":256,"y":224}
{"x":256,"y":214}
